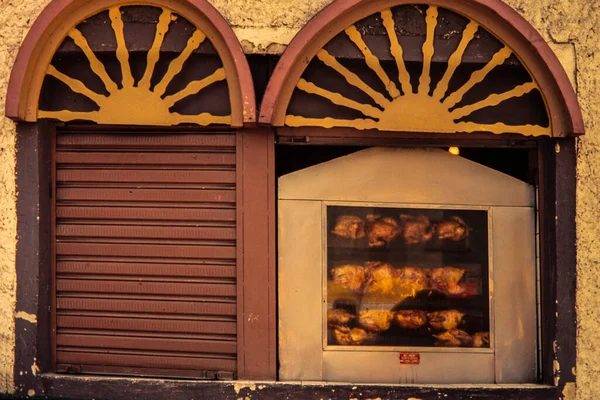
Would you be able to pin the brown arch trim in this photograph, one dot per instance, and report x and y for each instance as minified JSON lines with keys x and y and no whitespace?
{"x":494,"y":15}
{"x":59,"y":16}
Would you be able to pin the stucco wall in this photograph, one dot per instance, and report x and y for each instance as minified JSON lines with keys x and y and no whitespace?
{"x":266,"y":26}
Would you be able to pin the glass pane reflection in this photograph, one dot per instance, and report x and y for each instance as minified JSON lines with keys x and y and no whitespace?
{"x":407,"y":277}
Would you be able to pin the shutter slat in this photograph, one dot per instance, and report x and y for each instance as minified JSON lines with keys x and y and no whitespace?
{"x":141,"y":250}
{"x":145,"y":306}
{"x":145,"y":343}
{"x":141,"y":287}
{"x":153,"y":176}
{"x":145,"y":253}
{"x":145,"y":325}
{"x":136,"y":158}
{"x":146,"y":214}
{"x":146,"y":195}
{"x":146,"y":269}
{"x":161,"y":232}
{"x":148,"y":360}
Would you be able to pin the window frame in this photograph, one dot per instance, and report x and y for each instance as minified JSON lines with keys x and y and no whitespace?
{"x":33,"y":358}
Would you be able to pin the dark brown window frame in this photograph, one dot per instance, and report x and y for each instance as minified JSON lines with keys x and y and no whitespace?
{"x":557,"y":177}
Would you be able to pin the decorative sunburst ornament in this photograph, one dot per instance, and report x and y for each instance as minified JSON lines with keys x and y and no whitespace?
{"x":137,"y":103}
{"x":426,"y":109}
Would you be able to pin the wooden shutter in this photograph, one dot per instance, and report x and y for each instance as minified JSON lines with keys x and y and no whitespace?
{"x":145,"y":250}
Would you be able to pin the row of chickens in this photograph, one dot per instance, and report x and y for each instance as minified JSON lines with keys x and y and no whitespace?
{"x":371,"y":322}
{"x":381,"y":230}
{"x":382,"y":278}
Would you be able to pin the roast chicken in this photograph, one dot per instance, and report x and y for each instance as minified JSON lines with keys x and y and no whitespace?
{"x":375,"y":320}
{"x":454,"y":229}
{"x":338,"y":317}
{"x":349,"y":227}
{"x":410,"y":319}
{"x":453,"y":338}
{"x":381,"y":230}
{"x":349,"y":276}
{"x":481,"y":339}
{"x":445,"y":319}
{"x":348,"y":337}
{"x":382,"y":278}
{"x":446,"y":279}
{"x":416,"y":229}
{"x":412,"y":279}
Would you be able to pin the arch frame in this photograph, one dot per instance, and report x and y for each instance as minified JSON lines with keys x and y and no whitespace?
{"x":59,"y":16}
{"x":493,"y":15}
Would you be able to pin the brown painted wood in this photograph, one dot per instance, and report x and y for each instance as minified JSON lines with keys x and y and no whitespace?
{"x":141,"y":343}
{"x":111,"y":388}
{"x":128,"y":140}
{"x":147,"y":195}
{"x":149,"y":372}
{"x":141,"y":287}
{"x":142,"y":250}
{"x":498,"y":18}
{"x":147,"y":269}
{"x":32,"y":253}
{"x":148,"y":214}
{"x":151,"y":360}
{"x":55,"y":385}
{"x":154,"y":232}
{"x":566,"y":259}
{"x":52,"y":244}
{"x":146,"y":306}
{"x":145,"y":325}
{"x":146,"y":251}
{"x":49,"y":29}
{"x":547,"y":209}
{"x":353,"y":137}
{"x":144,"y":176}
{"x":256,"y":219}
{"x":95,"y":158}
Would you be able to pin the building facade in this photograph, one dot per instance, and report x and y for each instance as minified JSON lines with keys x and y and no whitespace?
{"x":264,"y":29}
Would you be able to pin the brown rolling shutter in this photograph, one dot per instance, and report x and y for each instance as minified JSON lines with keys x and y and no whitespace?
{"x":146,"y":253}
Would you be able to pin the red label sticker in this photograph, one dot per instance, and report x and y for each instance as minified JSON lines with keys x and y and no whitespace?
{"x":410,"y":358}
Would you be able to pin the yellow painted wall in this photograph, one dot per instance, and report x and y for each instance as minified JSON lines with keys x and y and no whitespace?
{"x":266,"y":26}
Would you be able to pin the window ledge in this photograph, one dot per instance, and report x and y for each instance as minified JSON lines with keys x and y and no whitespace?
{"x":92,"y":386}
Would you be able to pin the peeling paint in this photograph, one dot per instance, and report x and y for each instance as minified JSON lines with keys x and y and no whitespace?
{"x":34,"y":368}
{"x":243,"y":385}
{"x":26,"y":317}
{"x":556,"y":369}
{"x":31,"y":393}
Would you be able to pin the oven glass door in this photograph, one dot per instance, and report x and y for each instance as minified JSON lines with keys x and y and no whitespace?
{"x":406,"y":277}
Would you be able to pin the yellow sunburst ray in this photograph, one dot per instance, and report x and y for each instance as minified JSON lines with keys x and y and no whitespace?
{"x":203,"y":119}
{"x":95,"y":64}
{"x":455,"y":60}
{"x":396,"y":50}
{"x":352,"y":78}
{"x":66,"y":115}
{"x":478,"y":76}
{"x":77,"y":86}
{"x":122,"y":54}
{"x":195,"y":87}
{"x":493,"y":100}
{"x":295,"y":121}
{"x":177,"y":64}
{"x":372,"y":61}
{"x":338,"y":99}
{"x":498,"y":128}
{"x":428,"y":49}
{"x":164,"y":21}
